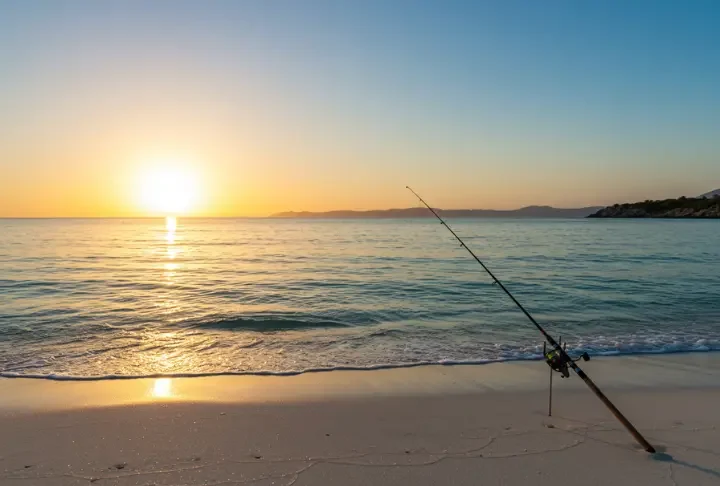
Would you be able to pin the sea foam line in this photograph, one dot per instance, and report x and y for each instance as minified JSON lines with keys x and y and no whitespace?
{"x":384,"y":366}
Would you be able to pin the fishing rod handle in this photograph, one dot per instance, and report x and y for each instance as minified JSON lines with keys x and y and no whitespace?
{"x":617,"y":413}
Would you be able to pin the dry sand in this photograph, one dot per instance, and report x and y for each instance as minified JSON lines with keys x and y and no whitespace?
{"x":464,"y":425}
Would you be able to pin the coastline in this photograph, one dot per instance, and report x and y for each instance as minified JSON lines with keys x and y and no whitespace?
{"x":424,"y":425}
{"x":624,"y":372}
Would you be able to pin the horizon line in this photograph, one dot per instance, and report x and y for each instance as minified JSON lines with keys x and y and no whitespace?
{"x":273,"y":215}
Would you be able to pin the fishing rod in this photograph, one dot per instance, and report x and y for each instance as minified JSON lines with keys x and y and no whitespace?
{"x":565,"y":359}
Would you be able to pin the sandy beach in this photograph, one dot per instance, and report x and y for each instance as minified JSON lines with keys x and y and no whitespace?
{"x":428,"y":426}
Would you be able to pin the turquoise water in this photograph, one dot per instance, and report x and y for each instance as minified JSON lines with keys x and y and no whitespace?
{"x":92,"y":298}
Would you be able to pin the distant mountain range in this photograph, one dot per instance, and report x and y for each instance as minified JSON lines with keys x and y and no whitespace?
{"x":526,"y":212}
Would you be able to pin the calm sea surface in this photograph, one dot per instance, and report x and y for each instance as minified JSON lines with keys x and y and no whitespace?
{"x":135,"y":297}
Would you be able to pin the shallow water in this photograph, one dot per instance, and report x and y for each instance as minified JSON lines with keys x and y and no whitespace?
{"x":134,"y":297}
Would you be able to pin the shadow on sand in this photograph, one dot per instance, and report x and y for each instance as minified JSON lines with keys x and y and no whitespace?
{"x":665,"y":457}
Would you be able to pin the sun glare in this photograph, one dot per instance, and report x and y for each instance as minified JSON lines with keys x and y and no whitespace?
{"x":168,"y":190}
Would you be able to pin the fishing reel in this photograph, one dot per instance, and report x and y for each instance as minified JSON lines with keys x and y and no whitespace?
{"x":559,"y":361}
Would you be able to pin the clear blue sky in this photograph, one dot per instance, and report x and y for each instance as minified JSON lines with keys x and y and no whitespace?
{"x":338,"y":104}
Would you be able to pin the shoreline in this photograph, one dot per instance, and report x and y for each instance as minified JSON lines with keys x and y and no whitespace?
{"x":622,"y":373}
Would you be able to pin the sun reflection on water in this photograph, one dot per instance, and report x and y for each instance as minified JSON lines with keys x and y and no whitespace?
{"x":170,"y":226}
{"x":172,"y":251}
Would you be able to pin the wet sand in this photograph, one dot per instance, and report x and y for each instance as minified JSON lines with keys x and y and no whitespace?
{"x":427,"y":426}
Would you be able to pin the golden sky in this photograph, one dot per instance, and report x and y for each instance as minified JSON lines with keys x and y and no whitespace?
{"x":264,"y":107}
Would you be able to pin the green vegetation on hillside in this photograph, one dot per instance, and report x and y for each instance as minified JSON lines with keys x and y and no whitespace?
{"x":682,"y":207}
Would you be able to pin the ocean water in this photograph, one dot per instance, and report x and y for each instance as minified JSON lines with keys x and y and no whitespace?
{"x":136,"y":297}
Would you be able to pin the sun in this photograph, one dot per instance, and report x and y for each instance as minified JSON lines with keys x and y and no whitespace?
{"x":170,"y":190}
